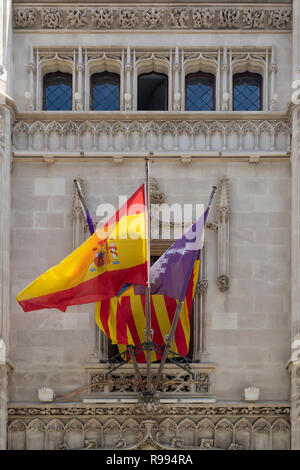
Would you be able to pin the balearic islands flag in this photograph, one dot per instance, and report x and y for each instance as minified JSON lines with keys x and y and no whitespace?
{"x":114,"y":255}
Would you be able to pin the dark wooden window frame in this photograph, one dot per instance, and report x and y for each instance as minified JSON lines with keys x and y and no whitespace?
{"x":53,"y":74}
{"x":166,"y":87}
{"x":249,"y":74}
{"x":98,"y":74}
{"x":205,"y":75}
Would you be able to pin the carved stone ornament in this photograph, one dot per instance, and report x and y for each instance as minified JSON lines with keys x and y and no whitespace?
{"x":279,"y":18}
{"x":203,"y":382}
{"x":25,"y":17}
{"x":234,"y":446}
{"x":76,"y":18}
{"x":223,"y":282}
{"x":203,"y":17}
{"x":178,"y":17}
{"x":206,"y":444}
{"x":127,"y":18}
{"x":228,"y":18}
{"x":51,"y":18}
{"x":156,"y":197}
{"x":102,"y":17}
{"x":152,"y":17}
{"x":254,"y":18}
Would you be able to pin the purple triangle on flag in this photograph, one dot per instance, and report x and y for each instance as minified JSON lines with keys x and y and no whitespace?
{"x":171,"y":273}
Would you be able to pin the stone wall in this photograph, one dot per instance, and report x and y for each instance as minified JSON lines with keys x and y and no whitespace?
{"x":248,"y":325}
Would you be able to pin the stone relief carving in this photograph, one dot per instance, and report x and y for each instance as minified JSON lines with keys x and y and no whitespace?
{"x":279,"y":18}
{"x":51,"y":18}
{"x":203,"y":382}
{"x":142,"y":433}
{"x":228,"y":18}
{"x":102,"y":17}
{"x":25,"y":17}
{"x":76,"y":18}
{"x":254,"y":18}
{"x":156,"y":196}
{"x":178,"y":17}
{"x":153,"y":17}
{"x":203,"y":18}
{"x":138,"y":17}
{"x":156,"y":131}
{"x":127,"y":18}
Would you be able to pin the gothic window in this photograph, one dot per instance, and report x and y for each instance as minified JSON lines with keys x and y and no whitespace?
{"x":57,"y":94}
{"x":152,"y":92}
{"x":105,"y":91}
{"x":247,"y":92}
{"x":200,"y":92}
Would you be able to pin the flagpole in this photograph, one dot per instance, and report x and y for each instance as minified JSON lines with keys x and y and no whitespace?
{"x":148,"y":331}
{"x":177,"y":314}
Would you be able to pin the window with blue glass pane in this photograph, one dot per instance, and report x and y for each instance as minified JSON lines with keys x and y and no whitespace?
{"x":57,"y":92}
{"x":200,"y":92}
{"x":247,"y":92}
{"x":105,"y":91}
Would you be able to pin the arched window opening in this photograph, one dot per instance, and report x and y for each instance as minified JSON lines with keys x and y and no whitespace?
{"x":105,"y":91}
{"x":200,"y":92}
{"x":152,"y":92}
{"x":57,"y":94}
{"x":247,"y":92}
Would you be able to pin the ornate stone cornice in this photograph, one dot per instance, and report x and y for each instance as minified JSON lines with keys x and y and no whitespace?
{"x":37,"y":410}
{"x":144,"y":17}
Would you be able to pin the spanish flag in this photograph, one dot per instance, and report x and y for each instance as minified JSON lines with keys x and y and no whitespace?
{"x":114,"y":255}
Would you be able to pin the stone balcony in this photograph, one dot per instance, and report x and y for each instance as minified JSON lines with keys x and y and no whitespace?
{"x":176,"y":385}
{"x":186,"y":135}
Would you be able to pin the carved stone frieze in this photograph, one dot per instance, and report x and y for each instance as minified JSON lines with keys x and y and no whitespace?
{"x":152,"y":18}
{"x":102,"y":17}
{"x":279,"y":18}
{"x":142,"y":432}
{"x":143,"y":410}
{"x":203,"y":18}
{"x":25,"y":17}
{"x":254,"y":18}
{"x":51,"y":18}
{"x":178,"y":17}
{"x":76,"y":18}
{"x":228,"y":18}
{"x":127,"y":18}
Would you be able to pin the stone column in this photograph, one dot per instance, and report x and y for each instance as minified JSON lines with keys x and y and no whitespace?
{"x":295,"y":231}
{"x":5,"y":206}
{"x":200,"y":353}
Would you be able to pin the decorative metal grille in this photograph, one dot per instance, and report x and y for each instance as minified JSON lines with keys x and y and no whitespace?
{"x":58,"y":92}
{"x":247,"y":92}
{"x":200,"y":92}
{"x":105,"y":92}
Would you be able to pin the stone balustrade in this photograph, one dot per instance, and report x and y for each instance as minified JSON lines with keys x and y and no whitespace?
{"x":161,"y":136}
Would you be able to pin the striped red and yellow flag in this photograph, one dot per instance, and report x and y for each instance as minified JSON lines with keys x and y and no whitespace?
{"x":123,"y":320}
{"x":114,"y":255}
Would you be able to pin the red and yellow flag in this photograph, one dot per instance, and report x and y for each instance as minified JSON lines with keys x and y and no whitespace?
{"x":114,"y":255}
{"x":123,"y":320}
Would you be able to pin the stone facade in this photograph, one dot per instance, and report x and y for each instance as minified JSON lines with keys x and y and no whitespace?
{"x":247,"y":313}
